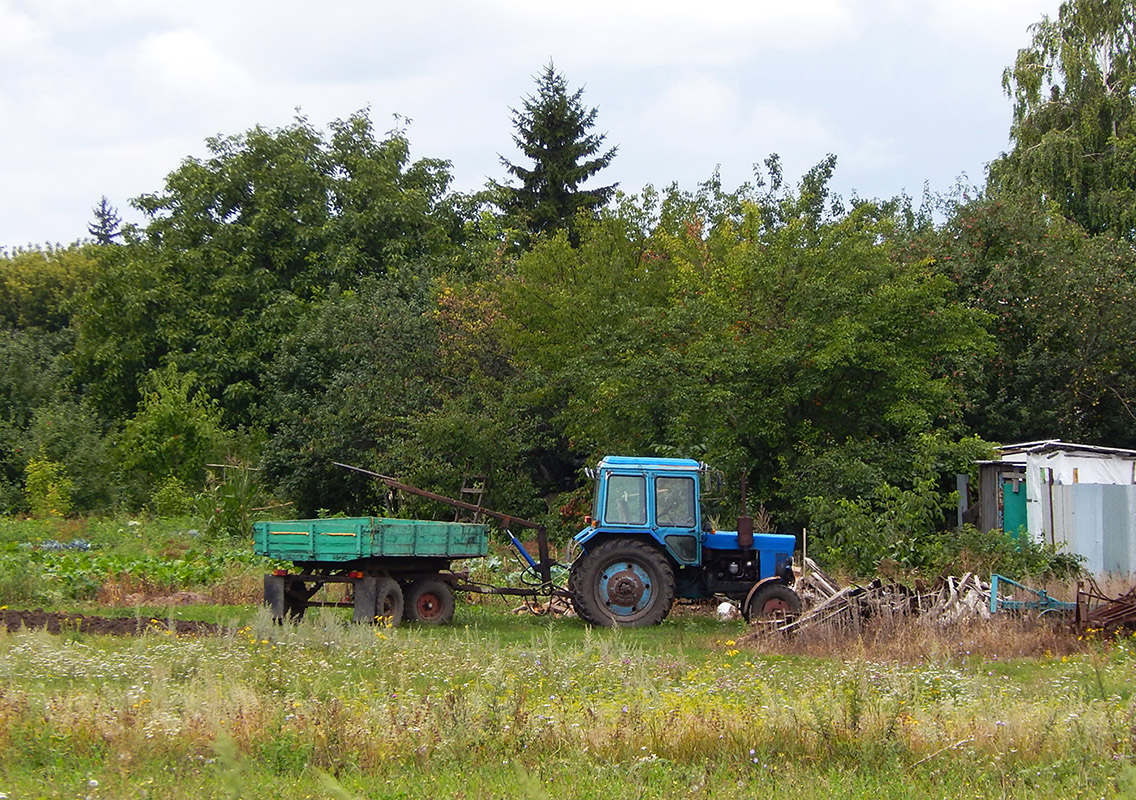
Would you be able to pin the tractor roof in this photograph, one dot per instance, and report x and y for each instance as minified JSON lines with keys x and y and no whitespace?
{"x":636,"y":462}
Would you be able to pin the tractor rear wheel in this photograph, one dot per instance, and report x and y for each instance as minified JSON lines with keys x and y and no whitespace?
{"x":622,"y":582}
{"x":429,"y":600}
{"x":771,"y":601}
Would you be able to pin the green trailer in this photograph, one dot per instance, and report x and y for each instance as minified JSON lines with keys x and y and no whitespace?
{"x":394,"y":569}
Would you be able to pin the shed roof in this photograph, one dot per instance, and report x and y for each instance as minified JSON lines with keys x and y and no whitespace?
{"x":1056,"y":445}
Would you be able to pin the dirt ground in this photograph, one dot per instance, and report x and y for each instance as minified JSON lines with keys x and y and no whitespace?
{"x":58,"y":622}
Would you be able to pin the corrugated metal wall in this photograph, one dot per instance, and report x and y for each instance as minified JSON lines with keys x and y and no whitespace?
{"x":1097,"y":521}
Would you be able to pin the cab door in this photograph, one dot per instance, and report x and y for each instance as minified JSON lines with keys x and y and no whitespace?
{"x":674,"y":501}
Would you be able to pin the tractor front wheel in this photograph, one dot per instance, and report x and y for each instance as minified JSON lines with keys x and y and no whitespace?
{"x":622,"y":582}
{"x":771,"y":601}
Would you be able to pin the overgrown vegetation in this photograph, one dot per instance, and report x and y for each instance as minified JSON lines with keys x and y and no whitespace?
{"x":517,"y":707}
{"x":118,"y":562}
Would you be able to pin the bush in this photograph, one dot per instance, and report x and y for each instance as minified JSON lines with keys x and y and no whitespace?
{"x":174,"y":435}
{"x":969,"y":549}
{"x":171,"y":499}
{"x":47,"y":488}
{"x":234,"y":502}
{"x":892,"y":524}
{"x":904,"y":529}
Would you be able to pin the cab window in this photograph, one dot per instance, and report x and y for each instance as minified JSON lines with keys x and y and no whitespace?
{"x":674,"y":502}
{"x":626,"y":500}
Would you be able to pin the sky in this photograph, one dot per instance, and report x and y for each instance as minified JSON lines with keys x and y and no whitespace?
{"x":107,"y":98}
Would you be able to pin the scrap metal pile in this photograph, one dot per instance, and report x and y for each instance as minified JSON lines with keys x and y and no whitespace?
{"x":950,"y":599}
{"x":1107,"y":614}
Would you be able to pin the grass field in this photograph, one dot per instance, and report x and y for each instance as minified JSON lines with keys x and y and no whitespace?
{"x":505,"y":706}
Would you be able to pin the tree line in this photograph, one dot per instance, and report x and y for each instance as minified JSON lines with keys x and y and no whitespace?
{"x":303,"y":296}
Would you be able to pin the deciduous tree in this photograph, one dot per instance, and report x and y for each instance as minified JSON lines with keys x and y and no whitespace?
{"x":240,"y":243}
{"x":1074,"y":129}
{"x":770,"y":331}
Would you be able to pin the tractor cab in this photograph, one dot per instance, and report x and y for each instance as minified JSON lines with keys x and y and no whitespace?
{"x":653,"y":497}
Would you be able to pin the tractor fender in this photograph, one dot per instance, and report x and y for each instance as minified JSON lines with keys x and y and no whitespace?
{"x":757,"y":587}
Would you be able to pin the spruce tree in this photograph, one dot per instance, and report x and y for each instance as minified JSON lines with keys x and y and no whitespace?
{"x":554,"y":131}
{"x":107,"y":224}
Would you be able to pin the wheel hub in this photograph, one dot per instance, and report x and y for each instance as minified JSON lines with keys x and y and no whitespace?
{"x":625,"y":587}
{"x":428,"y":606}
{"x":775,"y":605}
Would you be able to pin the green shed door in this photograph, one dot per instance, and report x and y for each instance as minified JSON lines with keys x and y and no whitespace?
{"x":1014,"y":505}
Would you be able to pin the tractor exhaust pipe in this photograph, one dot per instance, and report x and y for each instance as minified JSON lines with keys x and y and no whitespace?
{"x":745,"y":522}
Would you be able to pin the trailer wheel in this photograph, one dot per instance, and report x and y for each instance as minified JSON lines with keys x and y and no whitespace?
{"x":622,"y":582}
{"x":429,"y":600}
{"x":771,"y":601}
{"x":388,"y":602}
{"x":296,"y":596}
{"x":285,"y":601}
{"x":378,"y":600}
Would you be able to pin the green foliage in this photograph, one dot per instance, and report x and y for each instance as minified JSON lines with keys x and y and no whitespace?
{"x":240,"y":244}
{"x":891,"y":528}
{"x":751,"y":329}
{"x":348,"y":382}
{"x":171,"y":499}
{"x":29,"y":378}
{"x":895,"y":529}
{"x":235,"y":500}
{"x":69,"y":432}
{"x":1057,"y":303}
{"x":1074,"y":128}
{"x":38,"y":287}
{"x":895,"y":525}
{"x":969,"y":549}
{"x":175,"y":433}
{"x":553,"y":131}
{"x":48,"y":488}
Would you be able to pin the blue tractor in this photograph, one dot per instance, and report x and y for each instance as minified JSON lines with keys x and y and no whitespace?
{"x":647,"y":542}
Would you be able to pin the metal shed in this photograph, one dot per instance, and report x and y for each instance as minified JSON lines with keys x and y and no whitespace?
{"x":1079,"y":497}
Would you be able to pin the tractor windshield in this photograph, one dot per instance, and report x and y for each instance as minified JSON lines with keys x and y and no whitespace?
{"x":626,"y":500}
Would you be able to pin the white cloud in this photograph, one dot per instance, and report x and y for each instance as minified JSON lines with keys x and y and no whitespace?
{"x":670,"y":32}
{"x":181,"y":64}
{"x":22,"y":36}
{"x":993,"y":21}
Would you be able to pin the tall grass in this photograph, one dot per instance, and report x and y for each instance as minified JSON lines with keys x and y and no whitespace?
{"x":330,"y":709}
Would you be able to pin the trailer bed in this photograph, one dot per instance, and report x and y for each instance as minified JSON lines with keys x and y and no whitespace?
{"x":343,"y":539}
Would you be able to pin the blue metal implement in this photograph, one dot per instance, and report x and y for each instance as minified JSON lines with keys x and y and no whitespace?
{"x":1043,"y":602}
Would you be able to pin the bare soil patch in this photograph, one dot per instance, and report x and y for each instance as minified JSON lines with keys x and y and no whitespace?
{"x":60,"y":622}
